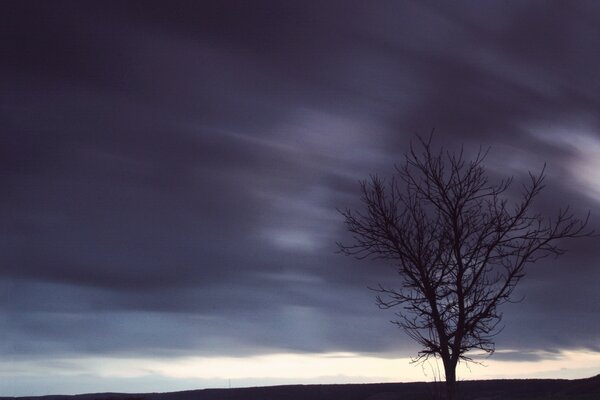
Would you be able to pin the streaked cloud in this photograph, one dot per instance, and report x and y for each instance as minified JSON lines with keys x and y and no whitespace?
{"x":171,"y":173}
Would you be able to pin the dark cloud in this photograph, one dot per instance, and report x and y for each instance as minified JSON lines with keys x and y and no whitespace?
{"x":171,"y":171}
{"x":524,"y":356}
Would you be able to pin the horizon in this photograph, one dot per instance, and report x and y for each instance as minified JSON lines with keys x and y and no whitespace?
{"x":172,"y":173}
{"x":281,"y":385}
{"x":184,"y":375}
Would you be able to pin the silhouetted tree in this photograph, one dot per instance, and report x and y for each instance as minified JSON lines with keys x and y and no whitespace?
{"x":459,"y":245}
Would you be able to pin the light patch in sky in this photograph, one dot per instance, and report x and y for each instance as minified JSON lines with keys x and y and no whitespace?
{"x":301,"y":221}
{"x":333,"y":141}
{"x":292,"y":239}
{"x":584,"y":166}
{"x":202,"y":372}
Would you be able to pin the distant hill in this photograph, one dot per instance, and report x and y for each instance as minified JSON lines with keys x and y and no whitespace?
{"x":517,"y":389}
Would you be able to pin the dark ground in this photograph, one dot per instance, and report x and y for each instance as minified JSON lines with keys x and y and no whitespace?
{"x":525,"y":389}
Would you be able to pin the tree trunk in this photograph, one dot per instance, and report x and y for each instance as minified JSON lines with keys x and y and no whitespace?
{"x":450,"y":371}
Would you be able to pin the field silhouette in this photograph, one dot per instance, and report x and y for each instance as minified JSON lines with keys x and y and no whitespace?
{"x":517,"y":389}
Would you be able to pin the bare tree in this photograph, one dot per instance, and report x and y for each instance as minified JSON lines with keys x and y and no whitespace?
{"x":459,"y":245}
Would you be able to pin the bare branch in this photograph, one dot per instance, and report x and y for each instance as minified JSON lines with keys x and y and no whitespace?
{"x":458,"y":244}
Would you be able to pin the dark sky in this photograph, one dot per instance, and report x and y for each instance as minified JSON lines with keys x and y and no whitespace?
{"x":171,"y":171}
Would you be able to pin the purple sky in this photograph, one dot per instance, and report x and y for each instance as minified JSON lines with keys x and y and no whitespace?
{"x":171,"y":171}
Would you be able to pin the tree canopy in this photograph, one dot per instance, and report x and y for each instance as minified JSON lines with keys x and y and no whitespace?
{"x":459,"y":243}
